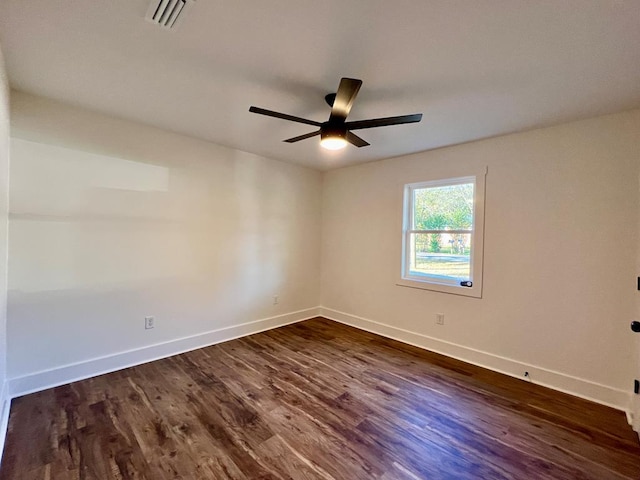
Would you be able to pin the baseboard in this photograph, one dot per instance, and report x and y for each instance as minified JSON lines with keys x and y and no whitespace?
{"x":54,"y":377}
{"x":635,"y":425}
{"x":5,"y":407}
{"x":633,"y":421}
{"x":603,"y":394}
{"x":42,"y":380}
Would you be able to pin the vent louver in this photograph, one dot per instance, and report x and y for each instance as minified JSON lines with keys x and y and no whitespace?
{"x":168,"y":13}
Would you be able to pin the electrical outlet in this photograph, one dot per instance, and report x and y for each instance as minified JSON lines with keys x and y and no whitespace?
{"x":149,"y":322}
{"x":275,"y":299}
{"x":439,"y":318}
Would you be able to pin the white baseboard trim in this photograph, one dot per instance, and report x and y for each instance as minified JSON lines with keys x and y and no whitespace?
{"x":603,"y":394}
{"x":5,"y":407}
{"x":42,"y":380}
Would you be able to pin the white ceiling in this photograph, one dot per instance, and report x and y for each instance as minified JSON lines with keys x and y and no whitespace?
{"x":475,"y":68}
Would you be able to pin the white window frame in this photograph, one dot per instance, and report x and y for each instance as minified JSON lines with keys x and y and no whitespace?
{"x":444,"y":285}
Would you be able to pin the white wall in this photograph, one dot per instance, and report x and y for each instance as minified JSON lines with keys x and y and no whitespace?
{"x":111,"y":221}
{"x":560,"y":246}
{"x":4,"y":192}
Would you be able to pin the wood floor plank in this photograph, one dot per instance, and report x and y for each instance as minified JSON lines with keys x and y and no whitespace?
{"x":313,"y":400}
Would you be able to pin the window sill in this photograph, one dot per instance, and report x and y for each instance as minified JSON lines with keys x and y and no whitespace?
{"x":475,"y":291}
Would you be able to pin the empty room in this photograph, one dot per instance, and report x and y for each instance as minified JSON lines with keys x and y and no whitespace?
{"x":319,"y":240}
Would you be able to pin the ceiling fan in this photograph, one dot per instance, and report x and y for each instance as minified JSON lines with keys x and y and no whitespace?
{"x":336,"y":132}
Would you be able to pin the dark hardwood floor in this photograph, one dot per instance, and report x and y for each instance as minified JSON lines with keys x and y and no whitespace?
{"x":314,"y":400}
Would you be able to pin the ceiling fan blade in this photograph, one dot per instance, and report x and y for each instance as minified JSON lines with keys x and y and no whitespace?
{"x":346,"y":94}
{"x":284,"y":116}
{"x":353,"y":139}
{"x":383,"y":122}
{"x":302,"y":137}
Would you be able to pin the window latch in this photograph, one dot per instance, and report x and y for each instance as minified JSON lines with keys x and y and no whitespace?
{"x":466,"y":283}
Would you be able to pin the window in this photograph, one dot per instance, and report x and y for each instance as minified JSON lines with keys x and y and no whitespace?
{"x":443,"y":228}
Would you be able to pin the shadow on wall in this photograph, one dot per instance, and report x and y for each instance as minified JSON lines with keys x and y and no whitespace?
{"x":97,"y":243}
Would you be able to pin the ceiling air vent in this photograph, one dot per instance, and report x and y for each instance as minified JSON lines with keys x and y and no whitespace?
{"x":168,"y":13}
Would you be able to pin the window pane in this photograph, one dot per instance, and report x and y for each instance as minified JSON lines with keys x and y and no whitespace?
{"x":449,"y":207}
{"x":442,"y":238}
{"x":443,"y":255}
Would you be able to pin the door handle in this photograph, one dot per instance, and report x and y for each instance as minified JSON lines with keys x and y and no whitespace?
{"x":635,"y":326}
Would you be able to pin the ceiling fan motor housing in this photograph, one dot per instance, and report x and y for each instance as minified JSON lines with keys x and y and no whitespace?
{"x":332,"y":131}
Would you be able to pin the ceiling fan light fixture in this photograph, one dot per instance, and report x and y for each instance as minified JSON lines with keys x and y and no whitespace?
{"x":333,"y":139}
